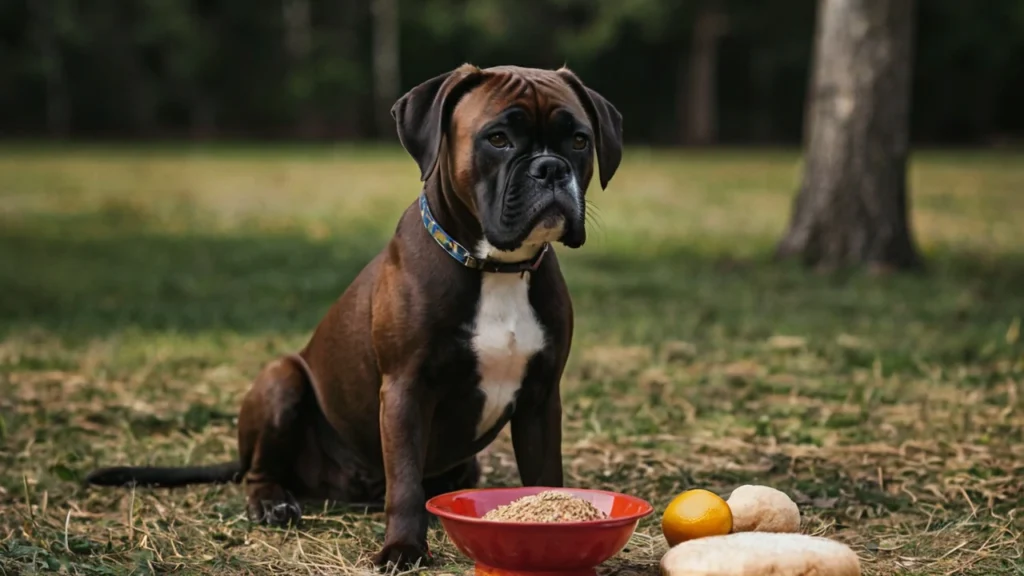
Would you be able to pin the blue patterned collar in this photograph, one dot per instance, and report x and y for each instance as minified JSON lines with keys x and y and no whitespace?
{"x":465,"y":257}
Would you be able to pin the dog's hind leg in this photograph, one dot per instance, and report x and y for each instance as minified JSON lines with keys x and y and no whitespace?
{"x":270,"y":436}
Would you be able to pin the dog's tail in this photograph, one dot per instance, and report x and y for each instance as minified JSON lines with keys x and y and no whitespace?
{"x":166,"y":477}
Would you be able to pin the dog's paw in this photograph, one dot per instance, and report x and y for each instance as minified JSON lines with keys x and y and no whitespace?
{"x":402,"y":555}
{"x":279,"y":513}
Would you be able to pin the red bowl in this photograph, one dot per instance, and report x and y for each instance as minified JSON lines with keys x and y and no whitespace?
{"x":536,"y":548}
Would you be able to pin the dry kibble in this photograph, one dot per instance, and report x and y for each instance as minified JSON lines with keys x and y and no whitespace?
{"x":763,"y":509}
{"x":547,"y":506}
{"x":760,"y":554}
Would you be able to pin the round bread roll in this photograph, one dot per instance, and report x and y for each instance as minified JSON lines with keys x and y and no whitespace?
{"x":763,"y":509}
{"x":759,"y":554}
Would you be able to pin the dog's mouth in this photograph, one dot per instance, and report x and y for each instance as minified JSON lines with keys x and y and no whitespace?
{"x":548,"y":220}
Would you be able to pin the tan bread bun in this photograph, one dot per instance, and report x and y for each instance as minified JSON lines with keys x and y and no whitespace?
{"x":760,"y":554}
{"x":763,"y":509}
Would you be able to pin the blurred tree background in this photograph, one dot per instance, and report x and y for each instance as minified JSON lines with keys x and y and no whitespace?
{"x":681,"y":71}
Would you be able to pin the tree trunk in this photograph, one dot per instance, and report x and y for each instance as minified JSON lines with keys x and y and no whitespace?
{"x":702,"y":113}
{"x":347,"y":36}
{"x":852,"y":207}
{"x":202,"y":114}
{"x":58,"y":108}
{"x":124,"y":55}
{"x":682,"y":101}
{"x":298,"y":43}
{"x":386,"y":79}
{"x":762,"y":82}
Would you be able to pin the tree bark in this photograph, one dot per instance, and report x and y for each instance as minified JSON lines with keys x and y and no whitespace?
{"x":202,"y":114}
{"x":762,"y":81}
{"x":124,"y":55}
{"x":702,"y":113}
{"x":386,"y":78}
{"x":58,"y":108}
{"x":347,"y":38}
{"x":298,"y":43}
{"x":852,"y":206}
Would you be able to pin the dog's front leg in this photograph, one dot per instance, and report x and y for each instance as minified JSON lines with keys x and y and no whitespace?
{"x":537,"y":439}
{"x":404,"y":429}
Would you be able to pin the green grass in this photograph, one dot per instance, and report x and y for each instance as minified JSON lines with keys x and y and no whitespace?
{"x":141,"y":289}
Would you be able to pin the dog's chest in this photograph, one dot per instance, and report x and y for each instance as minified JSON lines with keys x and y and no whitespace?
{"x":506,"y":334}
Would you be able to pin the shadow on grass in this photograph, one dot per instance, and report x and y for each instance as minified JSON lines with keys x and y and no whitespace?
{"x":959,"y":310}
{"x":80,"y":281}
{"x":165,"y":283}
{"x":94,"y":285}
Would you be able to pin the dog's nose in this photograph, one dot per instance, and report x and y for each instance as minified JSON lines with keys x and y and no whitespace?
{"x":549,"y":170}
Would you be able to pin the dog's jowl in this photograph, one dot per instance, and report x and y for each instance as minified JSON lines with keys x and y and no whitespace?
{"x":460,"y":325}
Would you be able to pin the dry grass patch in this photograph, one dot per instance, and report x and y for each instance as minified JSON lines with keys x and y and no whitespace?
{"x":142,"y":291}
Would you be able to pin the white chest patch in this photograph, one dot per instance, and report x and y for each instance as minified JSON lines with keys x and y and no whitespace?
{"x":506,"y":335}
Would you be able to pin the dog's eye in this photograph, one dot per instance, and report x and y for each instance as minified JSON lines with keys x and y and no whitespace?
{"x":498,"y":140}
{"x":579,"y":142}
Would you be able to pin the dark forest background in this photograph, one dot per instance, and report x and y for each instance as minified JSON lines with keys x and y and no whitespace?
{"x":329,"y":69}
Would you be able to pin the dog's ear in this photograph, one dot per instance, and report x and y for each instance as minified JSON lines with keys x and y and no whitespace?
{"x":607,"y":123}
{"x":423,"y":114}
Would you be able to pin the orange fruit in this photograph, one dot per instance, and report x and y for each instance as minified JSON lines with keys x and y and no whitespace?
{"x":695,"y":514}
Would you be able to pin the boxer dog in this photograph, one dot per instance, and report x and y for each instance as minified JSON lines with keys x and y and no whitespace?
{"x":460,"y":325}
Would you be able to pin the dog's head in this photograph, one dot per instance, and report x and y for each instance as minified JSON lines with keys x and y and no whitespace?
{"x":518,"y":145}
